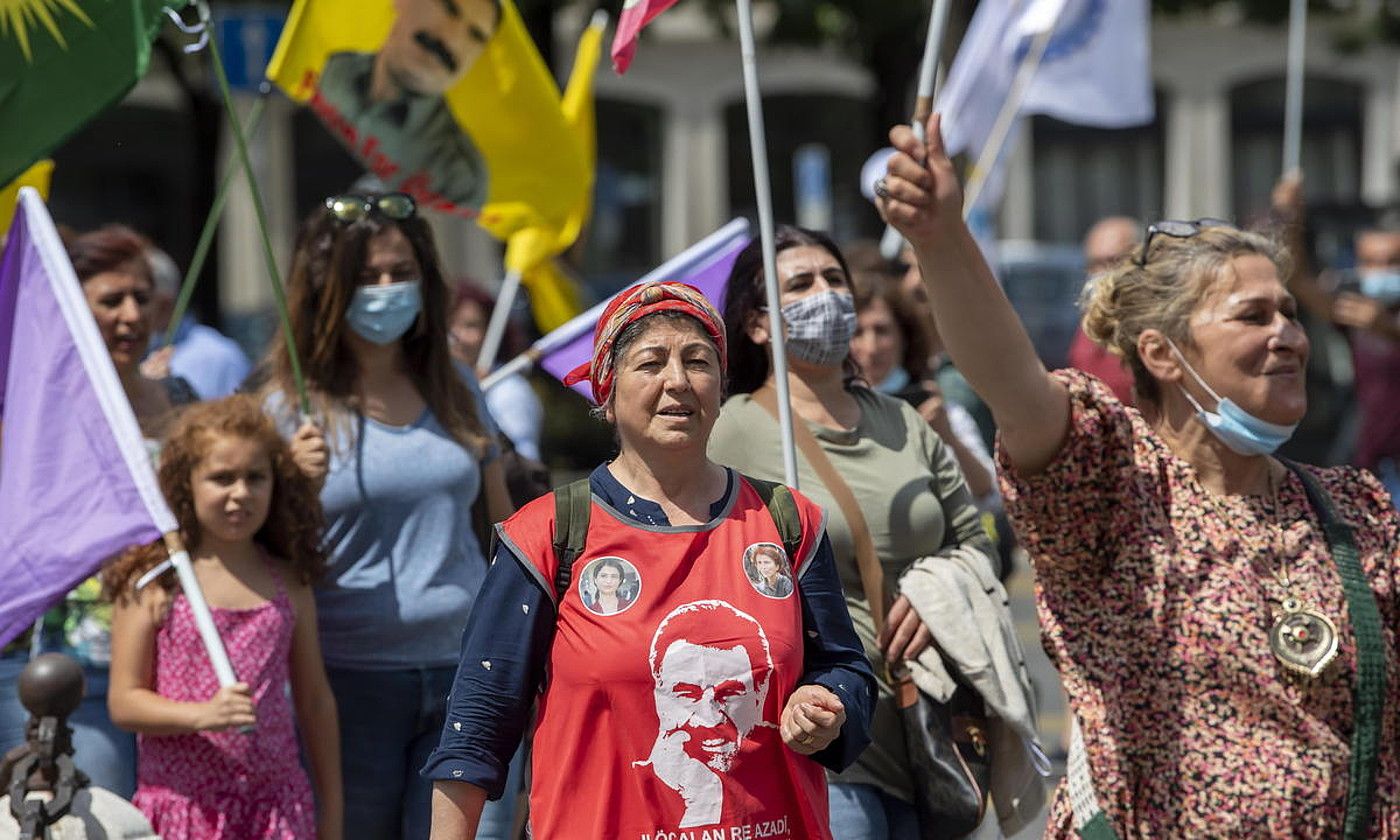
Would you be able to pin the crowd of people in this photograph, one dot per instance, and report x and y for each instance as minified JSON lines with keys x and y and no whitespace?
{"x":678,"y":645}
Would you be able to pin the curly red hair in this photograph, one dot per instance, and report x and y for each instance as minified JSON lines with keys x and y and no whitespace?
{"x":292,"y":531}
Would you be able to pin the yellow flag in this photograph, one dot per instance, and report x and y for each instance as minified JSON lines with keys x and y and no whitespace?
{"x":449,"y":102}
{"x":36,"y":176}
{"x":554,"y":298}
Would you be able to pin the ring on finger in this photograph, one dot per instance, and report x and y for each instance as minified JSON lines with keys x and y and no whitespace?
{"x":882,"y":188}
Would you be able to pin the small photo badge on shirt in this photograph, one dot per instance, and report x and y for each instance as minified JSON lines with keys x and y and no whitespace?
{"x":767,"y":568}
{"x":609,"y":585}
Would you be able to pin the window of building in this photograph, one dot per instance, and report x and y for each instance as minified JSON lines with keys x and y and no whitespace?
{"x":133,"y":164}
{"x":1331,"y":150}
{"x":811,"y":133}
{"x":1082,"y":174}
{"x":623,"y":237}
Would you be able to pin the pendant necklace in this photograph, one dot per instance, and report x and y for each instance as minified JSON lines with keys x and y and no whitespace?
{"x":1302,"y":638}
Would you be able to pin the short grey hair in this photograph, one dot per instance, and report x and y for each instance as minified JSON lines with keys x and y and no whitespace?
{"x":165,"y":274}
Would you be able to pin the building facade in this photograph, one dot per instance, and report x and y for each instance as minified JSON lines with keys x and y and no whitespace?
{"x":673,"y":156}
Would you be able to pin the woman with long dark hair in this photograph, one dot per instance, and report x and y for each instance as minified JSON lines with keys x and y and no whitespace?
{"x":406,"y":450}
{"x":911,"y":493}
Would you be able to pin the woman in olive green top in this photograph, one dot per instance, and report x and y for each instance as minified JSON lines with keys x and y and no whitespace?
{"x":910,"y":489}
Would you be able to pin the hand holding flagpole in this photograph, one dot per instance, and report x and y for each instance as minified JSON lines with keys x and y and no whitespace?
{"x":892,"y":242}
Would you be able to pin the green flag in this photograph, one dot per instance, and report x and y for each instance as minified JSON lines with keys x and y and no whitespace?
{"x":61,"y":63}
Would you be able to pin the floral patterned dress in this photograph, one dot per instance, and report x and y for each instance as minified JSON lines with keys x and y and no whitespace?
{"x":227,"y":785}
{"x":1155,"y":602}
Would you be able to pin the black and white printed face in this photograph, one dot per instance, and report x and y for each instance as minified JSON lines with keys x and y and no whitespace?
{"x":433,"y":43}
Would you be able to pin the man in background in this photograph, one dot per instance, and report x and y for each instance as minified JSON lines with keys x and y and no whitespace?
{"x":212,"y":363}
{"x":1108,"y":241}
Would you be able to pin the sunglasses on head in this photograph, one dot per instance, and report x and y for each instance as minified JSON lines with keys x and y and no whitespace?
{"x":353,"y":207}
{"x":1176,"y":229}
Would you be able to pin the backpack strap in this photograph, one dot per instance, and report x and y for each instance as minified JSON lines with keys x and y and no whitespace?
{"x":783,"y":508}
{"x":1368,"y":693}
{"x":573,"y":503}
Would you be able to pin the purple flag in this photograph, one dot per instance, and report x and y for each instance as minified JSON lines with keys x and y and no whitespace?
{"x":705,"y":266}
{"x":76,"y":483}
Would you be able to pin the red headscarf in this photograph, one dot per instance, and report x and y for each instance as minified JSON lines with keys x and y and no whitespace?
{"x":637,"y":303}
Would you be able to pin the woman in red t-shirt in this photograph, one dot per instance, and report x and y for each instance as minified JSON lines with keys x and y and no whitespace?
{"x":683,"y":698}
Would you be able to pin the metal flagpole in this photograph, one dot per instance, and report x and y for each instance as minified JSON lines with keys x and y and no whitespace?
{"x":892,"y":242}
{"x":500,"y":316}
{"x":763,"y":194}
{"x":1293,"y":106}
{"x":1001,"y":130}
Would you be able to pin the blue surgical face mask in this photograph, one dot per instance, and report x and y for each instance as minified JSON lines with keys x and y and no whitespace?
{"x":1233,"y":426}
{"x":382,"y":314}
{"x":820,"y":326}
{"x":897,"y":381}
{"x":1382,"y":285}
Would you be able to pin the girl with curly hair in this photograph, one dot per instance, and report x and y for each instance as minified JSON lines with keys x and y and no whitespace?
{"x":223,"y":762}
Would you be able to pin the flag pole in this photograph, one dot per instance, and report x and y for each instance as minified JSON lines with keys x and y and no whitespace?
{"x":496,"y":327}
{"x":679,"y":264}
{"x":211,"y":222}
{"x":203,"y":619}
{"x":270,"y":261}
{"x":1010,"y":109}
{"x":1293,"y":106}
{"x":891,"y":243}
{"x":763,"y":195}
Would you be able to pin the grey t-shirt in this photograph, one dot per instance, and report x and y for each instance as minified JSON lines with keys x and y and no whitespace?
{"x":404,"y":563}
{"x":914,"y":501}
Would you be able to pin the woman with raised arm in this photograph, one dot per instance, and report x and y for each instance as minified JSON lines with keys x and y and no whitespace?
{"x":1224,"y":622}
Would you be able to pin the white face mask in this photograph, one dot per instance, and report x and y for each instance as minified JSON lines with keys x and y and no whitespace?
{"x":1239,"y":430}
{"x":820,"y":326}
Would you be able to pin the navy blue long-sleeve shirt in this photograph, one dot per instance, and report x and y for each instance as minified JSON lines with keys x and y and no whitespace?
{"x":512,"y":627}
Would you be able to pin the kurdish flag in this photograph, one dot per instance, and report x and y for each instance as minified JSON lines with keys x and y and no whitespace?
{"x":36,"y":176}
{"x":64,"y":61}
{"x":449,"y":102}
{"x":76,"y":482}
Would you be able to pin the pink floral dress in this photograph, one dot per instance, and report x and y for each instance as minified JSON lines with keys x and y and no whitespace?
{"x":1156,"y":611}
{"x":232,"y":785}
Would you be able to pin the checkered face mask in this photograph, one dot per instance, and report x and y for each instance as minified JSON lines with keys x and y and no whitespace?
{"x":820,"y":326}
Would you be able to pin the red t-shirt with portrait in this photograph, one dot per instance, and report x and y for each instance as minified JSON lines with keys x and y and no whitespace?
{"x":667,"y":678}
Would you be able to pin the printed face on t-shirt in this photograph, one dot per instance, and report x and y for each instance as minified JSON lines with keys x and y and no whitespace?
{"x":608,"y":578}
{"x":707,"y":694}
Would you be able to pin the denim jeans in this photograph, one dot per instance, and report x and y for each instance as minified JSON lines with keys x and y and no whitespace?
{"x":864,"y":812}
{"x":389,"y":722}
{"x":498,"y":818}
{"x":101,"y":750}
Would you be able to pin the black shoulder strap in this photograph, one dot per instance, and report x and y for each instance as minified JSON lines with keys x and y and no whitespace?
{"x":1369,"y":691}
{"x":572,"y":505}
{"x":783,"y":508}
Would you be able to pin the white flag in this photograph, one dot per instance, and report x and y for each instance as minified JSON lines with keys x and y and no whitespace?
{"x":1095,"y":69}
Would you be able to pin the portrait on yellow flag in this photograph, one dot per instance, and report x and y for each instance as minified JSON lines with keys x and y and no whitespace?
{"x":446,"y":100}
